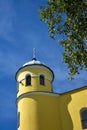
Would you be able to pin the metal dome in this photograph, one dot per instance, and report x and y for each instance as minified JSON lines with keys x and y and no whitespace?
{"x":34,"y":61}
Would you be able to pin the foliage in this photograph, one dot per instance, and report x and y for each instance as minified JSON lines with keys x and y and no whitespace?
{"x":68,"y":18}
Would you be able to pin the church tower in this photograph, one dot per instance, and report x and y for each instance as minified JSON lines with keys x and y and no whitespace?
{"x":34,"y":81}
{"x":41,"y":109}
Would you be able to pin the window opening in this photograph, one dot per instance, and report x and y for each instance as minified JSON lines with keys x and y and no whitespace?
{"x":18,"y":119}
{"x":84,"y":118}
{"x":17,"y":87}
{"x":42,"y":80}
{"x":28,"y":80}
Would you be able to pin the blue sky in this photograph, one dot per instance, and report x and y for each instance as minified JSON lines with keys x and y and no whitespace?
{"x":20,"y":31}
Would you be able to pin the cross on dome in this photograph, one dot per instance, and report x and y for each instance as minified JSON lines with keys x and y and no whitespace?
{"x":34,"y":54}
{"x":34,"y":60}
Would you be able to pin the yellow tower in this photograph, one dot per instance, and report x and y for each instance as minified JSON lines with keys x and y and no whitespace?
{"x":41,"y":109}
{"x":34,"y":81}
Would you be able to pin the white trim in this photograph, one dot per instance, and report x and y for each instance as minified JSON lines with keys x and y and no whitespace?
{"x":20,"y":80}
{"x":24,"y":95}
{"x":19,"y":128}
{"x":35,"y":75}
{"x":44,"y":93}
{"x":41,"y":93}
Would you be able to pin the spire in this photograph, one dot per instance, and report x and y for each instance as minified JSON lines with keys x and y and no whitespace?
{"x":34,"y":54}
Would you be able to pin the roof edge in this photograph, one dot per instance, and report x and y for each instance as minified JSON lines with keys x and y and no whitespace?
{"x":34,"y":65}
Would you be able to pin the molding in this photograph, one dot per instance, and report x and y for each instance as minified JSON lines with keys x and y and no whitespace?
{"x":24,"y":95}
{"x":34,"y":75}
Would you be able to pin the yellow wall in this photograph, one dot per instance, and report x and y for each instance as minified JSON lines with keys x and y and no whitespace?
{"x":36,"y":112}
{"x":35,"y":83}
{"x":47,"y":111}
{"x":39,"y":112}
{"x":70,"y":105}
{"x":40,"y":109}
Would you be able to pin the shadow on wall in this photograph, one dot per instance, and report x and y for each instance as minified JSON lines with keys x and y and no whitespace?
{"x":48,"y":112}
{"x":65,"y":118}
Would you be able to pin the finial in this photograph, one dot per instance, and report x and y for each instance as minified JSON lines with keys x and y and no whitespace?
{"x":34,"y":54}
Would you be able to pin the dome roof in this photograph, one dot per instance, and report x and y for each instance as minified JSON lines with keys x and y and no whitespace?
{"x":34,"y":61}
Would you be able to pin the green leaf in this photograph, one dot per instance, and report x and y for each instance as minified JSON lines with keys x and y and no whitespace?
{"x":68,"y":18}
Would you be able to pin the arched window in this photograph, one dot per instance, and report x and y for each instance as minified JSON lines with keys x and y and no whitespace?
{"x":83,"y":114}
{"x":18,"y":119}
{"x":17,"y":87}
{"x":28,"y":80}
{"x":42,"y":80}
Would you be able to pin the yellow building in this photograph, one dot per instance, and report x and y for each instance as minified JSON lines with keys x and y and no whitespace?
{"x":39,"y":108}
